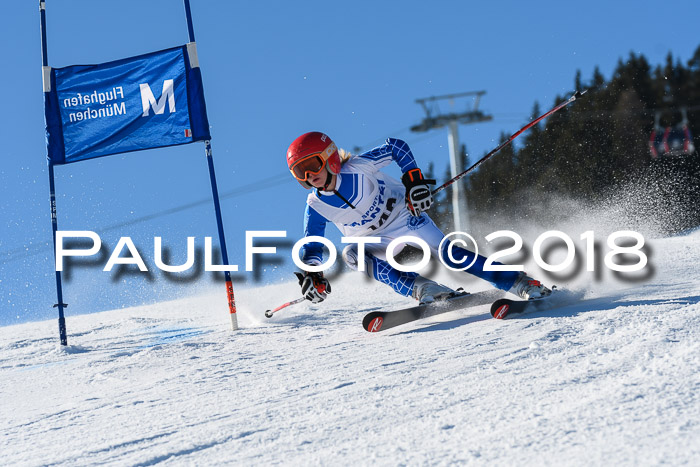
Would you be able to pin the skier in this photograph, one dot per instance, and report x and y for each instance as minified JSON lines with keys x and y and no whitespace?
{"x":351,"y":192}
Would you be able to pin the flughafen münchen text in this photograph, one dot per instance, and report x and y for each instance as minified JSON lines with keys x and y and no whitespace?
{"x":111,"y":103}
{"x":96,"y":98}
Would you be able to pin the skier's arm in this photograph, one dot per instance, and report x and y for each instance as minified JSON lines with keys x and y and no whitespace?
{"x":314,"y":224}
{"x":394,"y":150}
{"x":418,"y":195}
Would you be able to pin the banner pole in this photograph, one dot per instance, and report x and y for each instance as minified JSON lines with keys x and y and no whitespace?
{"x":217,"y":206}
{"x":44,"y":50}
{"x":190,"y":26}
{"x":222,"y":239}
{"x":59,"y":287}
{"x":52,"y":186}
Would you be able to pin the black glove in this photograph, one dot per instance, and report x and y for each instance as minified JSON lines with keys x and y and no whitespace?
{"x":418,"y":195}
{"x":314,"y":286}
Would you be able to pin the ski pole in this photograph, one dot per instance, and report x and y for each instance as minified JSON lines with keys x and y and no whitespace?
{"x":269,"y":313}
{"x":505,"y":143}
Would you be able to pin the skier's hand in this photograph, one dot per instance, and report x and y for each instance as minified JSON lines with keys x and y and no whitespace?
{"x":418,"y":195}
{"x":314,"y":286}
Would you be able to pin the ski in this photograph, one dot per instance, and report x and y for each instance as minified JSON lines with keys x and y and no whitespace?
{"x":376,"y":321}
{"x":504,"y":307}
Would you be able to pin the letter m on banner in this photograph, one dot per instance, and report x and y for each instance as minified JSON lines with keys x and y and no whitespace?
{"x":148,"y":101}
{"x":144,"y":102}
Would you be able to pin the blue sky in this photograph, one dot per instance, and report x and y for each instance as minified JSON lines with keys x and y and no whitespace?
{"x":273,"y":70}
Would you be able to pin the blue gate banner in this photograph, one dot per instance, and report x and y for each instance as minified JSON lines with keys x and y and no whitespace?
{"x":144,"y":102}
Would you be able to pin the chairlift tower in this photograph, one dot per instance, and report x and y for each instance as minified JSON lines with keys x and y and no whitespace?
{"x":433,"y":120}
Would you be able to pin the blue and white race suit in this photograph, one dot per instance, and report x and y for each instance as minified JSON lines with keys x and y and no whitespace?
{"x":377,"y":208}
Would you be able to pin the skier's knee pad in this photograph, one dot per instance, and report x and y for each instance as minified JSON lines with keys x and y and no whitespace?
{"x":351,"y":259}
{"x":350,"y":256}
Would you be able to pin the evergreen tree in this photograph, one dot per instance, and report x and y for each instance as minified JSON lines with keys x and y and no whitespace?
{"x":600,"y":144}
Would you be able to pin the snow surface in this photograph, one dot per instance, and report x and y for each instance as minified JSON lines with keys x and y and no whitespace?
{"x":611,"y":380}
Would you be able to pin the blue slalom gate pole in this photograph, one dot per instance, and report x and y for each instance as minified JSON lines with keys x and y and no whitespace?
{"x":190,"y":25}
{"x":59,"y":287}
{"x":215,"y":193}
{"x":222,"y":238}
{"x":52,"y":187}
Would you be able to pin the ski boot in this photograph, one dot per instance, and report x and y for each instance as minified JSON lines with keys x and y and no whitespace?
{"x":528,"y":288}
{"x":427,"y":291}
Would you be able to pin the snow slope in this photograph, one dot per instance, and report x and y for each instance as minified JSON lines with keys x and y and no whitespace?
{"x":613,"y":379}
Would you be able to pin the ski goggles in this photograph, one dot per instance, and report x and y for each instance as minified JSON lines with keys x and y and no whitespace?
{"x":308,"y":166}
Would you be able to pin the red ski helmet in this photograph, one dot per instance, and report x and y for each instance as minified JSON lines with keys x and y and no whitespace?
{"x":309,"y":154}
